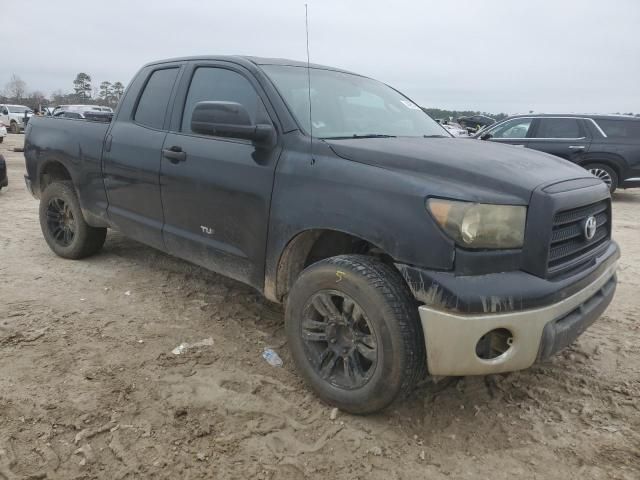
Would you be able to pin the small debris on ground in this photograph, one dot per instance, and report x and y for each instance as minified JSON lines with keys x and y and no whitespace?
{"x":272,"y":357}
{"x":334,"y":414}
{"x":183,"y":347}
{"x":376,"y":451}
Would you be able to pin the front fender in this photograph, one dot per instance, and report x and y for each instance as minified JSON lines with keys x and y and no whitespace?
{"x":384,"y":207}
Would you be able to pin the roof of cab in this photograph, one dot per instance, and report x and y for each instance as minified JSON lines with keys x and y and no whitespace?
{"x":249,"y":60}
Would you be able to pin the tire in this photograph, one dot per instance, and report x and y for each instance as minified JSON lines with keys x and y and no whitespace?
{"x":1,"y":139}
{"x":14,"y":128}
{"x":605,"y":173}
{"x":63,"y":226}
{"x":363,"y":350}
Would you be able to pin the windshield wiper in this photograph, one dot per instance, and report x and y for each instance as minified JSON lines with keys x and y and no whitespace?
{"x":355,"y":135}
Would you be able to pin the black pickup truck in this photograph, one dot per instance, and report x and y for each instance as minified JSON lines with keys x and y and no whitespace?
{"x":397,"y":250}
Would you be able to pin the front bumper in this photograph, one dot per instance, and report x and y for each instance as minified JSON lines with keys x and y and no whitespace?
{"x":537,"y":333}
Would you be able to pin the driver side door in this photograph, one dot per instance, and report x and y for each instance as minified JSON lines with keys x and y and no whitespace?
{"x":216,"y":191}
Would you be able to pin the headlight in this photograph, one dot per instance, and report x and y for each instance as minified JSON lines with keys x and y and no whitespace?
{"x":480,"y":225}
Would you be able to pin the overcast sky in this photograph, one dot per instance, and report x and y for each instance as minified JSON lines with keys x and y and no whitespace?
{"x":491,"y":55}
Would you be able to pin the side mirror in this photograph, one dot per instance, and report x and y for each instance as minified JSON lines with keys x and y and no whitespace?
{"x":486,"y":136}
{"x":228,"y":119}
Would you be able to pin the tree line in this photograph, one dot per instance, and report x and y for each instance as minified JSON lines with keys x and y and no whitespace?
{"x":108,"y":94}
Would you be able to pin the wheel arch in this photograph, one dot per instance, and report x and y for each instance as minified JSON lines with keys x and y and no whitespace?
{"x":614,"y":161}
{"x":51,"y":171}
{"x":312,"y":245}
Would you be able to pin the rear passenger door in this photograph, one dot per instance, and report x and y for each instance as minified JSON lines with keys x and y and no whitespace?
{"x":216,"y":194}
{"x":132,"y":155}
{"x":564,"y":137}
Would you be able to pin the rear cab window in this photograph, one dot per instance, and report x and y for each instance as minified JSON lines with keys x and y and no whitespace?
{"x":152,"y":105}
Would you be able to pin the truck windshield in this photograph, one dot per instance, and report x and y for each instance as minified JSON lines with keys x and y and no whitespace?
{"x":349,"y":106}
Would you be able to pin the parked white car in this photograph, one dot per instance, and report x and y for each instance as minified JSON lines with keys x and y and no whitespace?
{"x":455,"y":129}
{"x":13,"y":117}
{"x":3,"y":132}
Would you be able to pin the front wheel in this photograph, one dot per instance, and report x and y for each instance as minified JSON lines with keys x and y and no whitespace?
{"x":354,"y":333}
{"x":605,"y":173}
{"x":63,"y":226}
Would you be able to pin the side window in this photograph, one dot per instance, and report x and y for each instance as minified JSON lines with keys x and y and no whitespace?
{"x":559,"y":128}
{"x":620,"y":128}
{"x":155,"y":98}
{"x":516,"y":128}
{"x":219,"y":84}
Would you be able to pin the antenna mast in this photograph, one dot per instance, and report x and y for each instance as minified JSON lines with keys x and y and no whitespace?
{"x":306,"y":24}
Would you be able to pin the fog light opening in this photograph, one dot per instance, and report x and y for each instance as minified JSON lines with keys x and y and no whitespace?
{"x":494,"y":343}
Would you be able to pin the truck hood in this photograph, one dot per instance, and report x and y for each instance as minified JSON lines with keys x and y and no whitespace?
{"x":482,"y":166}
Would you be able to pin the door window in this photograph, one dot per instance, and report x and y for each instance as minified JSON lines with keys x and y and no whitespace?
{"x":155,"y":98}
{"x":516,"y":128}
{"x":558,"y":128}
{"x":222,"y":85}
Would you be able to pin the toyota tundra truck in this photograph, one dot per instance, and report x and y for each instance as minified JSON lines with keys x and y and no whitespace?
{"x":398,"y":251}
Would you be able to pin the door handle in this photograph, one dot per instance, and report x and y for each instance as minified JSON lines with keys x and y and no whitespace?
{"x":174,"y":154}
{"x":577,"y":147}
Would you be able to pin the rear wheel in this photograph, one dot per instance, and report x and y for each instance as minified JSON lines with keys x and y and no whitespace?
{"x":64,"y":227}
{"x":605,"y":173}
{"x":354,"y":333}
{"x":14,"y":128}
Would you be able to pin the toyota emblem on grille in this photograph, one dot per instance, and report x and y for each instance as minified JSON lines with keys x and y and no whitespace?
{"x":590,"y":226}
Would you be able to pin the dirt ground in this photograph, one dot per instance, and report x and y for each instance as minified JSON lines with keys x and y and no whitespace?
{"x":89,"y":387}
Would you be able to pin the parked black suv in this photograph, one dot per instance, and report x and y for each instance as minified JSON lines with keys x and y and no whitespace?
{"x":475,"y":122}
{"x":606,"y":145}
{"x":3,"y":173}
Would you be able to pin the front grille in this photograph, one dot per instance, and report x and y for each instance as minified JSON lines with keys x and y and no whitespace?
{"x":569,"y":248}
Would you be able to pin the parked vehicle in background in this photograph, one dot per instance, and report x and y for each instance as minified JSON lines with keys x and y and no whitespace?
{"x":78,"y":111}
{"x":14,"y":116}
{"x":396,"y":249}
{"x":475,"y":123}
{"x":4,"y":181}
{"x":608,"y":146}
{"x":3,"y":132}
{"x":455,"y":129}
{"x":83,"y":112}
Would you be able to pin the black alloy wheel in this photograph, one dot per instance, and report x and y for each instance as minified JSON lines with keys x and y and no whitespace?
{"x":338,"y":339}
{"x":61,"y":222}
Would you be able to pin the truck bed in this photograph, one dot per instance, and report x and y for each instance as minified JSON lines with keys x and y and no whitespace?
{"x":77,"y":145}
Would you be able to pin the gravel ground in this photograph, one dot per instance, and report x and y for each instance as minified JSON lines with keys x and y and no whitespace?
{"x":89,"y":387}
